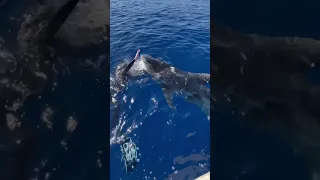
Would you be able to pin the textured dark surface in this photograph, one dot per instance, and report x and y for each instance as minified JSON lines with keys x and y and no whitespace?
{"x":51,"y":127}
{"x":267,"y":91}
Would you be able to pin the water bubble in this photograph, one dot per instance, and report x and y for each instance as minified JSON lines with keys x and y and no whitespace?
{"x":47,"y":176}
{"x":71,"y":124}
{"x":124,"y":98}
{"x":18,"y":141}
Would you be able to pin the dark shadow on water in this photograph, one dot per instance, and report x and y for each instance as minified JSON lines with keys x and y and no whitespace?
{"x":246,"y":154}
{"x":59,"y":153}
{"x":239,"y":152}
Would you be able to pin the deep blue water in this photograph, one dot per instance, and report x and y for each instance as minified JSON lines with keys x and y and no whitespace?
{"x":242,"y":153}
{"x":178,"y":32}
{"x":80,"y":94}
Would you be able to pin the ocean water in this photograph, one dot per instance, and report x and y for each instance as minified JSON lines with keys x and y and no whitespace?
{"x":243,"y":153}
{"x":64,"y":127}
{"x":171,"y":143}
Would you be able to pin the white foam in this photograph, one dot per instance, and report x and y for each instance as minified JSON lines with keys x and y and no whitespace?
{"x":137,"y":68}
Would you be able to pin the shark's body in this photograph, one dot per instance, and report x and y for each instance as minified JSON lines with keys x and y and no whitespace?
{"x":172,"y":80}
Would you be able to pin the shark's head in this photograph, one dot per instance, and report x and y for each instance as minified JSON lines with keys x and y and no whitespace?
{"x":153,"y":65}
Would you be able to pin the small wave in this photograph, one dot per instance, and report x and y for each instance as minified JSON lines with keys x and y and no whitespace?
{"x":179,"y":33}
{"x":130,"y":120}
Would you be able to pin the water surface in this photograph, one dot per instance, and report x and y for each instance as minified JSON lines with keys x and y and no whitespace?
{"x":171,"y":144}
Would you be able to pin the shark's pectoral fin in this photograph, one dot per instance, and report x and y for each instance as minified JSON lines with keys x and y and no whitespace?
{"x":168,"y":96}
{"x":201,"y":77}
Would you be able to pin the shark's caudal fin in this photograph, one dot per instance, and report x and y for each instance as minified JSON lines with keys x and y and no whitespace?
{"x":57,"y":21}
{"x":201,"y":77}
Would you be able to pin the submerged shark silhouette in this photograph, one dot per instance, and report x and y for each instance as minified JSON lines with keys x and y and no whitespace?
{"x":192,"y":86}
{"x":266,"y":78}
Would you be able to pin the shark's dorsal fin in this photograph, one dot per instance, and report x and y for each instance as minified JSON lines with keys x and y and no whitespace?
{"x":204,"y":78}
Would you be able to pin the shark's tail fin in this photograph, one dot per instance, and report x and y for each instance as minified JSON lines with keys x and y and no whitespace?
{"x":201,"y":77}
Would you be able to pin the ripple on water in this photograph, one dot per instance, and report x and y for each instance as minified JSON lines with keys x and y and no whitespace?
{"x":178,"y":32}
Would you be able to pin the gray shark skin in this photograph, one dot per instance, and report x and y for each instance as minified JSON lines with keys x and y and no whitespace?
{"x":266,"y":79}
{"x":173,"y":80}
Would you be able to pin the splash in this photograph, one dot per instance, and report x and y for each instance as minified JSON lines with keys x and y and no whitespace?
{"x":126,"y":114}
{"x":131,"y":120}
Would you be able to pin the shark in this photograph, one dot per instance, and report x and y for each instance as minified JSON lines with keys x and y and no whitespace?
{"x":173,"y":81}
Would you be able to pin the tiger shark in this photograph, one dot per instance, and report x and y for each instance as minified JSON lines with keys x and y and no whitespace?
{"x":192,"y":86}
{"x":173,"y":81}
